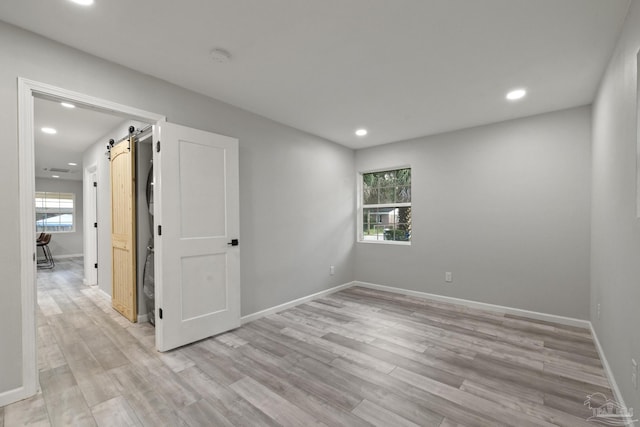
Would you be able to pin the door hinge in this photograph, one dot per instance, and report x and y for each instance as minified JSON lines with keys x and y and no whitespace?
{"x":95,"y":184}
{"x":159,"y":230}
{"x":234,"y":242}
{"x":160,"y":313}
{"x":158,"y":146}
{"x":95,"y":265}
{"x":34,"y":256}
{"x":95,"y":225}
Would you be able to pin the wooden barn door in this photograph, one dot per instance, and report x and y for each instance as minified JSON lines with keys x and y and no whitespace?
{"x":123,"y":232}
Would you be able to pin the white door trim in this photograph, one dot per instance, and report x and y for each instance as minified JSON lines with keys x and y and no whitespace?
{"x":26,"y":90}
{"x":89,"y":231}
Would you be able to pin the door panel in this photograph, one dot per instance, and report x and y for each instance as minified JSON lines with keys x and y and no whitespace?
{"x":123,"y":232}
{"x":196,"y":195}
{"x":203,"y":212}
{"x":208,"y":293}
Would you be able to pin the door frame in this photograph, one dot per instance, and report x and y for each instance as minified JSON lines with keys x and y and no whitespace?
{"x":90,"y":232}
{"x":26,"y":162}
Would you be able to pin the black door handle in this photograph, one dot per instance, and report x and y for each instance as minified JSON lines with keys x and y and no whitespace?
{"x":233,"y":242}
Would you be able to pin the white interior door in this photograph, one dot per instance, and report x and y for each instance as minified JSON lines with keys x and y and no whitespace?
{"x":196,"y":205}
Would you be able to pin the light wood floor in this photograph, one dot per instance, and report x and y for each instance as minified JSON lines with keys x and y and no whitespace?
{"x":358,"y":357}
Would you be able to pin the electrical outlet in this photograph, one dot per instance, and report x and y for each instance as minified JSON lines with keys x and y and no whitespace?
{"x":448,"y":277}
{"x":332,"y":270}
{"x":598,"y":310}
{"x":634,"y":374}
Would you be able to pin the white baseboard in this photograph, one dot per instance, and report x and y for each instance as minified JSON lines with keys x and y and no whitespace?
{"x":142,"y":318}
{"x":569,"y":321}
{"x":262,"y":313}
{"x":69,"y":256}
{"x":617,"y":395}
{"x":64,"y":256}
{"x":14,"y":395}
{"x":103,"y":293}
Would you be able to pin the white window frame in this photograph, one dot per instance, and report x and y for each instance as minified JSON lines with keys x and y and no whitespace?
{"x":361,"y":206}
{"x":74,"y":218}
{"x":638,"y":135}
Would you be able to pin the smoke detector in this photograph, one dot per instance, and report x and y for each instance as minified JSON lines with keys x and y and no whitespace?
{"x":220,"y":55}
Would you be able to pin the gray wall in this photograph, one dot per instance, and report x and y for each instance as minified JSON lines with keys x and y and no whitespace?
{"x":504,"y":207}
{"x":615,"y":228}
{"x":65,"y":243}
{"x":296,"y":190}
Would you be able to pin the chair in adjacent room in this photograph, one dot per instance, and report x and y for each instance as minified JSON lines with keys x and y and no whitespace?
{"x":43,"y":243}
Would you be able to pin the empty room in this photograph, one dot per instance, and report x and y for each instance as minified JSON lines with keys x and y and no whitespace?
{"x":340,"y":213}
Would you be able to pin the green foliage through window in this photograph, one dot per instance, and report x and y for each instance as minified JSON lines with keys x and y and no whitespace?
{"x":386,"y":205}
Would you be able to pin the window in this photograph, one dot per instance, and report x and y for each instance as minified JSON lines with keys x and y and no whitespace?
{"x":55,"y":212}
{"x":385,"y":206}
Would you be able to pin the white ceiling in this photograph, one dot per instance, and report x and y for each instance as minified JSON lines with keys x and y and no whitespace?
{"x":400,"y":68}
{"x":77,"y":128}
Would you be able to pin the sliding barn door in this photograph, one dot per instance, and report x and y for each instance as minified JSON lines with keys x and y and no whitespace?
{"x":197,"y":226}
{"x":123,"y":232}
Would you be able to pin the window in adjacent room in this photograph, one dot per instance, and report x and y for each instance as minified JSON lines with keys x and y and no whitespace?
{"x":385,"y":206}
{"x":55,"y":212}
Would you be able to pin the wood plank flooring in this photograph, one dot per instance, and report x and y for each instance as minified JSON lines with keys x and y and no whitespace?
{"x":355,"y":358}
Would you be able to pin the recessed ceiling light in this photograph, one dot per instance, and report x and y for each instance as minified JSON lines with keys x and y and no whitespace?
{"x":72,"y":164}
{"x":67,"y":105}
{"x":516,"y":94}
{"x":83,"y":2}
{"x":55,"y":176}
{"x":361,"y":132}
{"x":50,"y":131}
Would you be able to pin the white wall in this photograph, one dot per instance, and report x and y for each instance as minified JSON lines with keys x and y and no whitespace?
{"x":67,"y":243}
{"x":289,"y":181}
{"x":615,"y":228}
{"x":504,"y":207}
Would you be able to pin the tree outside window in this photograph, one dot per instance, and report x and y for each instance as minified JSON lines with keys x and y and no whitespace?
{"x":386,"y":206}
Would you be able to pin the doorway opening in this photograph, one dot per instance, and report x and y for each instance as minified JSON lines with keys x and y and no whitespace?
{"x":197,"y":273}
{"x":76,"y":196}
{"x":30,"y":92}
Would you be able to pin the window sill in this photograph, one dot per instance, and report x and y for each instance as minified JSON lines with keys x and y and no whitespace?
{"x":384,"y":242}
